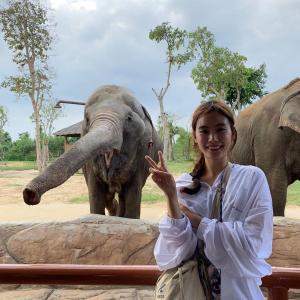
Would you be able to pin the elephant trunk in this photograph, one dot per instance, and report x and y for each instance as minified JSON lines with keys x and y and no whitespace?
{"x":98,"y":141}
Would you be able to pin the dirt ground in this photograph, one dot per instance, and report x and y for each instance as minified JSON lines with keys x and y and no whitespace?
{"x":55,"y":204}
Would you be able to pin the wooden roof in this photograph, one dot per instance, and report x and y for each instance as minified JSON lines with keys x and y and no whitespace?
{"x":73,"y":130}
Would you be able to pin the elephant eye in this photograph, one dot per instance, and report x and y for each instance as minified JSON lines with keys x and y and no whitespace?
{"x":129,"y":117}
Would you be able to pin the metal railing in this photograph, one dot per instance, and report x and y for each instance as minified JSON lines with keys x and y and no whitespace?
{"x":278,"y":284}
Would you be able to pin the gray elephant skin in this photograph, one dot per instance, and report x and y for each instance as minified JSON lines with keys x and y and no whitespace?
{"x":269,"y":137}
{"x":117,"y":132}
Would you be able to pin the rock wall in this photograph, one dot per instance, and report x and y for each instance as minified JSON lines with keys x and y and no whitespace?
{"x":93,"y":239}
{"x":96,"y":239}
{"x":286,"y":243}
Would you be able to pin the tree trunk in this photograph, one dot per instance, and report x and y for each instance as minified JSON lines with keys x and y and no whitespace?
{"x":170,"y":149}
{"x":166,"y":134}
{"x":222,"y":95}
{"x":165,"y":125}
{"x":45,"y":155}
{"x":163,"y":115}
{"x":38,"y":146}
{"x":187,"y":150}
{"x":239,"y":103}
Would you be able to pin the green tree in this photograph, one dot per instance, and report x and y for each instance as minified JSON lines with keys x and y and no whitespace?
{"x":22,"y":149}
{"x":5,"y":144}
{"x":183,"y":145}
{"x":173,"y":131}
{"x":214,"y":76}
{"x":175,"y":40}
{"x":253,"y":87}
{"x":5,"y":139}
{"x":26,"y":28}
{"x":201,"y":44}
{"x":56,"y":146}
{"x":3,"y":117}
{"x":48,"y":115}
{"x":220,"y":73}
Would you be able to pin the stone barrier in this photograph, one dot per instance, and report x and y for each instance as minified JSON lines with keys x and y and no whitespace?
{"x":96,"y":239}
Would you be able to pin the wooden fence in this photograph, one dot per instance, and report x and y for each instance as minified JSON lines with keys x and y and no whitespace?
{"x":278,"y":284}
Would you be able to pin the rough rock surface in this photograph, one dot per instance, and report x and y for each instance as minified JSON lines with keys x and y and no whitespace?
{"x":37,"y":293}
{"x":286,"y":243}
{"x":96,"y":239}
{"x":93,"y":239}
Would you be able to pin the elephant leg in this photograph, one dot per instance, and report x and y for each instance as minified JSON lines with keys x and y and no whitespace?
{"x":278,"y":186}
{"x":121,"y":205}
{"x":270,"y":156}
{"x":278,"y":183}
{"x":131,"y":197}
{"x":97,"y":194}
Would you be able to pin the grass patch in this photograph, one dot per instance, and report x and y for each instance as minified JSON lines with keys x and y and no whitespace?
{"x":178,"y":167}
{"x":152,"y":197}
{"x":146,"y":198}
{"x":79,"y":199}
{"x":293,"y":193}
{"x":17,"y":165}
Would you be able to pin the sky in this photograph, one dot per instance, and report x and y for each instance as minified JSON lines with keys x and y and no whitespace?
{"x":106,"y":42}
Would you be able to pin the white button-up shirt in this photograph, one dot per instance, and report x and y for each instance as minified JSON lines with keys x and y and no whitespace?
{"x":239,"y":245}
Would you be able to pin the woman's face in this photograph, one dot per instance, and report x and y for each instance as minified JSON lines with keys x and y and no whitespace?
{"x":214,"y":136}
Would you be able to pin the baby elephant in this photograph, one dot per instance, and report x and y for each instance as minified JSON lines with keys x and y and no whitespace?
{"x":117,"y":133}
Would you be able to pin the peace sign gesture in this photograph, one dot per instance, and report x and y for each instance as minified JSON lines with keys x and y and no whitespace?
{"x":165,"y":181}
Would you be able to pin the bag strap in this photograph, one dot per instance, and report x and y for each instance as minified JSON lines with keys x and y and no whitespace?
{"x":181,"y":283}
{"x":216,"y":212}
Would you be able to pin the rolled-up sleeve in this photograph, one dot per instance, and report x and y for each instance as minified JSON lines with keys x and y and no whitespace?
{"x":176,"y":242}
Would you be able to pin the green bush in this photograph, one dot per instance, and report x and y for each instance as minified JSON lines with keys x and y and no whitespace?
{"x":23,"y":149}
{"x":56,"y":146}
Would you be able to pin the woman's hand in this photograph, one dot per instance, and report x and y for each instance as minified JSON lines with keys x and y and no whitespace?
{"x":161,"y":176}
{"x":194,"y":218}
{"x":165,"y":181}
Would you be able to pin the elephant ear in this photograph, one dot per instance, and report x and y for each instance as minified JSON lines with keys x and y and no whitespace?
{"x":290,"y":112}
{"x":147,"y":115}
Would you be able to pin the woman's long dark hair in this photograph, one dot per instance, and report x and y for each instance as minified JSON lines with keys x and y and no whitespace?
{"x":199,"y":167}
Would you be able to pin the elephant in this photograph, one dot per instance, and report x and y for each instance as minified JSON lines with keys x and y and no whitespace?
{"x":269,"y":137}
{"x":117,"y":133}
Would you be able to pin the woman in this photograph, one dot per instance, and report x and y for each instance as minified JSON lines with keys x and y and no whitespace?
{"x":239,"y":245}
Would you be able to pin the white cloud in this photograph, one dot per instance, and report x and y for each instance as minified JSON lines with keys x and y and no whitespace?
{"x":106,"y":41}
{"x":88,"y":5}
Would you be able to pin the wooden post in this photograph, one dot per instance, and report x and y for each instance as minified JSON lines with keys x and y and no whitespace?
{"x":278,"y":293}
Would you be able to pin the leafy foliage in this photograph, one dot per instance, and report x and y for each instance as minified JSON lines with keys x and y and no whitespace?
{"x":218,"y":69}
{"x":221,"y":74}
{"x":175,"y":39}
{"x":180,"y":139}
{"x":26,"y":29}
{"x":5,"y":139}
{"x":183,"y":145}
{"x":24,"y":24}
{"x":5,"y":144}
{"x":56,"y":146}
{"x":22,"y":149}
{"x":3,"y":117}
{"x":251,"y":89}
